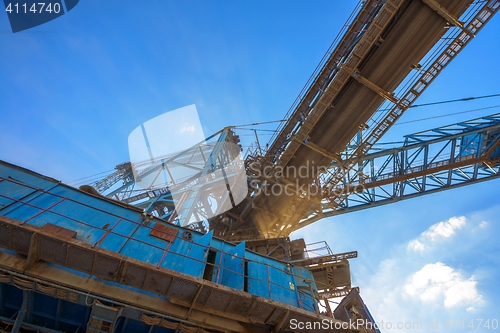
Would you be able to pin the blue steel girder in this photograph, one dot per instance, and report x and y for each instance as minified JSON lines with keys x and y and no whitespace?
{"x":454,"y":129}
{"x":417,"y":168}
{"x":202,"y":158}
{"x":125,"y":190}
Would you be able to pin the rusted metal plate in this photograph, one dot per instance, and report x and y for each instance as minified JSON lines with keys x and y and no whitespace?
{"x":163,"y":232}
{"x":59,"y":230}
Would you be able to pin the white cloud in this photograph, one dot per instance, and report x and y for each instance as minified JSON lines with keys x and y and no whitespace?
{"x":416,"y":245}
{"x":434,"y":279}
{"x":440,"y":282}
{"x":445,"y":229}
{"x":437,"y":231}
{"x":483,"y":224}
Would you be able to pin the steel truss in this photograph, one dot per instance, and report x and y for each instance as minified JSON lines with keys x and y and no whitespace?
{"x":177,"y":200}
{"x":396,"y":103}
{"x":356,"y":178}
{"x":435,"y":160}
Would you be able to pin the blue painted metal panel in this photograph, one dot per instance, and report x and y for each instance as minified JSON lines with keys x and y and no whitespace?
{"x":218,"y":260}
{"x":15,"y":192}
{"x":117,"y":237}
{"x":136,"y":326}
{"x":139,"y":250}
{"x":188,"y":256}
{"x":142,"y":246}
{"x":282,"y":286}
{"x":305,"y":287}
{"x":103,"y":223}
{"x":176,"y":256}
{"x":495,"y":154}
{"x":44,"y":310}
{"x":46,"y":306}
{"x":12,"y":299}
{"x":470,"y":144}
{"x":233,"y":271}
{"x":73,"y":313}
{"x":197,"y":255}
{"x":258,"y":280}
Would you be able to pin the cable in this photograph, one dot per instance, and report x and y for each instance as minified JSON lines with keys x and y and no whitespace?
{"x":446,"y":102}
{"x":466,"y":99}
{"x":455,"y":100}
{"x":447,"y":115}
{"x":256,"y":129}
{"x":86,"y":177}
{"x":261,"y":123}
{"x":95,"y":177}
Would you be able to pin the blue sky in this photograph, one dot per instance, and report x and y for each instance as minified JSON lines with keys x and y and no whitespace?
{"x":72,"y":90}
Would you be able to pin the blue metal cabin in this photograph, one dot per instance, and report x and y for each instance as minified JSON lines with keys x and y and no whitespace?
{"x":92,"y":238}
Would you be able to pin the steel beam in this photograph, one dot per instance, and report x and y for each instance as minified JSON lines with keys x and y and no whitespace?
{"x":21,"y":314}
{"x":373,"y":87}
{"x":447,"y":15}
{"x":460,"y":156}
{"x":318,"y":149}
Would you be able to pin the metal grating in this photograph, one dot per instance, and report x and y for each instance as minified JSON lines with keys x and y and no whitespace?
{"x":239,"y":306}
{"x":21,"y":240}
{"x":52,"y":250}
{"x":261,"y":311}
{"x":157,"y":282}
{"x":133,"y":275}
{"x":203,"y":296}
{"x":106,"y":267}
{"x":4,"y":236}
{"x":275,"y":316}
{"x":182,"y":290}
{"x":218,"y":300}
{"x":80,"y":259}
